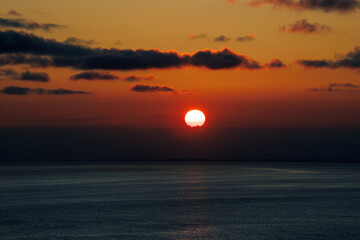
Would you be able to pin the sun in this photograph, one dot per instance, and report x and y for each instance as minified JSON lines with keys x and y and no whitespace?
{"x":195,"y":118}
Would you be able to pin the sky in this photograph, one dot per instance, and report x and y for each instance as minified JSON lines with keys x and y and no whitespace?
{"x":143,"y":64}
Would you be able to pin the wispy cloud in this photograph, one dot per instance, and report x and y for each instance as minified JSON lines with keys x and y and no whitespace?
{"x":275,"y":63}
{"x":8,"y":72}
{"x":222,"y":38}
{"x":301,"y":5}
{"x":14,"y":13}
{"x":197,"y":36}
{"x":118,"y":43}
{"x":345,"y":85}
{"x":28,"y":25}
{"x":249,"y":37}
{"x":304,"y":27}
{"x":336,"y":87}
{"x":81,"y":42}
{"x":17,"y":59}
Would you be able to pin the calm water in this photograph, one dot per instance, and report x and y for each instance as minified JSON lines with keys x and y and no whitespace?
{"x":180,"y":201}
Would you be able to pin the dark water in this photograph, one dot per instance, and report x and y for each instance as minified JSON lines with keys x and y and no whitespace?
{"x":180,"y":201}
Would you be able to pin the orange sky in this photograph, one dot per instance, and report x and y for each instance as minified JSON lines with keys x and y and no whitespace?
{"x":268,"y":97}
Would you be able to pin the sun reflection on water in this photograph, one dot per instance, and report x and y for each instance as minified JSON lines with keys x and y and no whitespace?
{"x":196,"y":216}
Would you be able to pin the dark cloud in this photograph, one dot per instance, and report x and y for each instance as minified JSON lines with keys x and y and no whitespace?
{"x":122,"y":60}
{"x":66,"y":55}
{"x":25,"y":76}
{"x":80,"y":57}
{"x":60,"y":91}
{"x":94,"y":76}
{"x":246,"y":38}
{"x":28,"y":25}
{"x":301,"y":5}
{"x":144,"y":59}
{"x":336,"y":87}
{"x":81,"y":42}
{"x":317,"y":63}
{"x":34,"y":76}
{"x":14,"y":13}
{"x":26,"y":43}
{"x":350,"y":60}
{"x":222,"y":38}
{"x":134,"y":78}
{"x":197,"y":36}
{"x":222,"y":59}
{"x":304,"y":27}
{"x":16,"y":59}
{"x":276,"y":63}
{"x":14,"y":90}
{"x":149,"y":88}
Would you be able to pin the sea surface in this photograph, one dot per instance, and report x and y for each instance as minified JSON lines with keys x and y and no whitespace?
{"x":176,"y":200}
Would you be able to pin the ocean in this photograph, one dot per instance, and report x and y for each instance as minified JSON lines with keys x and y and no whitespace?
{"x":179,"y":200}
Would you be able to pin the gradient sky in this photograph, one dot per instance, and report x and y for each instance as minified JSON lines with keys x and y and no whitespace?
{"x":322,"y":92}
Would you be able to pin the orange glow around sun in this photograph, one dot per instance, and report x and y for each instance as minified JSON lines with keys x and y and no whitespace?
{"x":195,"y":118}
